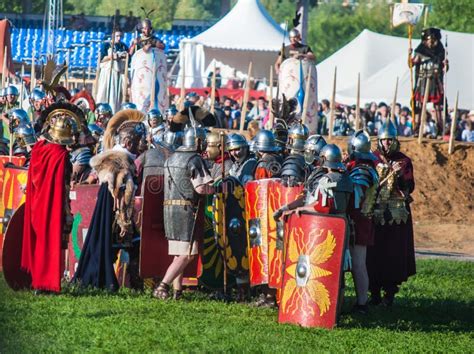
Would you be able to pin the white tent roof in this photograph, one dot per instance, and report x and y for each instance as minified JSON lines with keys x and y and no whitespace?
{"x":380,"y":59}
{"x":247,"y":33}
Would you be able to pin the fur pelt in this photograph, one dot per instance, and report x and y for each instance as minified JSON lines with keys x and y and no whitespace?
{"x":118,"y":170}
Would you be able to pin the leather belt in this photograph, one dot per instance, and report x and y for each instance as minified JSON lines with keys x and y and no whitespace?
{"x":180,"y":202}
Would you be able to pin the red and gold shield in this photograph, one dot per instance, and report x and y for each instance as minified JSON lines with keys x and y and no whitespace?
{"x":313,"y":269}
{"x":278,"y":196}
{"x":256,"y":210}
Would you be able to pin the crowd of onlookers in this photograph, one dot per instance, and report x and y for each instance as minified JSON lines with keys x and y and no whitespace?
{"x":372,"y":116}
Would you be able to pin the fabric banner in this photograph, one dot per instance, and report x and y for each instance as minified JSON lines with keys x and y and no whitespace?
{"x":235,"y":94}
{"x":406,"y":13}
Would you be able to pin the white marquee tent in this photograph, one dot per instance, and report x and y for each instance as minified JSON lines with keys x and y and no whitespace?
{"x":246,"y":34}
{"x":380,"y":59}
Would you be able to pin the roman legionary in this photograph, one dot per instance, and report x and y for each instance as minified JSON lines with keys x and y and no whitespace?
{"x":361,"y":168}
{"x":269,"y":160}
{"x":294,"y":169}
{"x":112,"y":71}
{"x":391,"y":260}
{"x":37,"y":101}
{"x":186,"y":179}
{"x":312,"y":148}
{"x":295,"y":49}
{"x":244,"y":164}
{"x":112,"y":226}
{"x":48,"y":219}
{"x":25,"y":139}
{"x":430,"y":63}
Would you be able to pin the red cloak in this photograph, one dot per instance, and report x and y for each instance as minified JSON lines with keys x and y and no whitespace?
{"x":44,"y":215}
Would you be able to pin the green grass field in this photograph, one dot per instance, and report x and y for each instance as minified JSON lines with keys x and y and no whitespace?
{"x":433,"y":312}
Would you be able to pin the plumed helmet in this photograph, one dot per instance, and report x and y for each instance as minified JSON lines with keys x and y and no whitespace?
{"x":294,"y":33}
{"x":155,"y":114}
{"x":128,"y":105}
{"x":297,"y":135}
{"x":359,"y":145}
{"x":388,"y":131}
{"x":146,"y":22}
{"x":62,"y":130}
{"x":332,"y":157}
{"x":104,"y":108}
{"x":431,"y":32}
{"x":37,"y":95}
{"x":19,"y":116}
{"x":265,"y":141}
{"x":25,"y":134}
{"x":236,"y":141}
{"x":12,"y":90}
{"x":280,"y":130}
{"x":312,"y":148}
{"x":194,"y":139}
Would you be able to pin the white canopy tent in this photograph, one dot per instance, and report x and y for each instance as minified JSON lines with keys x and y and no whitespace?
{"x":246,"y":34}
{"x":380,"y":59}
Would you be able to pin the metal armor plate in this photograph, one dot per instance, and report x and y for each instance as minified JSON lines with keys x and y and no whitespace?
{"x":256,"y":211}
{"x":231,"y":203}
{"x":313,"y":269}
{"x":278,"y":195}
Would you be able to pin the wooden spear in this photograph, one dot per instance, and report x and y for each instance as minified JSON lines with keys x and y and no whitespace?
{"x":333,"y":104}
{"x":213,"y":89}
{"x":33,"y":73}
{"x":394,"y":103}
{"x":357,"y":122}
{"x":306,"y":95}
{"x":95,"y":87}
{"x":271,"y":116}
{"x":423,"y":112}
{"x":410,"y":64}
{"x":453,"y":126}
{"x":125,"y":79}
{"x":22,"y":87}
{"x":246,"y":98}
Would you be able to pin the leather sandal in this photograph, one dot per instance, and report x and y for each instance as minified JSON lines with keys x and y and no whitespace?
{"x":178,"y":294}
{"x":162,"y":291}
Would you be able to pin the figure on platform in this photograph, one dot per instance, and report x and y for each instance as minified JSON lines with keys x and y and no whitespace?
{"x":391,"y":260}
{"x":112,"y":71}
{"x":361,"y":168}
{"x":430,"y":65}
{"x":48,"y":219}
{"x":147,"y":37}
{"x":186,"y":179}
{"x":295,"y":49}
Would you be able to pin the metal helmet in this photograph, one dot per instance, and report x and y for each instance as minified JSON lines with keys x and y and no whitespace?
{"x":388,"y":131}
{"x":12,"y":90}
{"x":37,"y":95}
{"x":312,"y":148}
{"x":62,"y":130}
{"x":95,"y":130}
{"x":297,"y":135}
{"x":103,"y":108}
{"x":294,"y":33}
{"x":359,"y":145}
{"x":155,"y":114}
{"x":332,"y":157}
{"x":194,"y":139}
{"x":265,"y":141}
{"x":171,"y":112}
{"x":25,"y":134}
{"x":236,"y":141}
{"x":213,"y":145}
{"x":280,"y":130}
{"x":172,"y":140}
{"x":18,"y":116}
{"x":128,"y":105}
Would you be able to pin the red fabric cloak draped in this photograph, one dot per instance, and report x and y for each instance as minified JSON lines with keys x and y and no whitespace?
{"x":5,"y":42}
{"x":44,"y":215}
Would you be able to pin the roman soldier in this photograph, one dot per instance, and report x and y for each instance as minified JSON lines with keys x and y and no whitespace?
{"x":312,"y":148}
{"x":186,"y":179}
{"x":391,"y":260}
{"x":112,"y":71}
{"x":269,"y":160}
{"x":156,"y":128}
{"x":295,"y":49}
{"x":48,"y":219}
{"x":430,"y":64}
{"x":11,"y":104}
{"x":37,"y":102}
{"x":244,"y":164}
{"x":147,"y":36}
{"x":361,"y":168}
{"x":103,"y":113}
{"x":25,"y":139}
{"x":112,"y":227}
{"x":294,"y":169}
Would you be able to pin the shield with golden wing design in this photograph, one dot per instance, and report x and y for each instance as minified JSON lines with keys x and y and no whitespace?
{"x":278,"y":196}
{"x":313,"y":269}
{"x":256,"y":212}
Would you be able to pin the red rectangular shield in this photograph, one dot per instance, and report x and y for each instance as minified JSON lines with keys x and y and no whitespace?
{"x":278,"y":196}
{"x":256,"y":211}
{"x":313,"y":269}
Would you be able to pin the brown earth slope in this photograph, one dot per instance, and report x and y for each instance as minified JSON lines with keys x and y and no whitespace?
{"x":443,"y":198}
